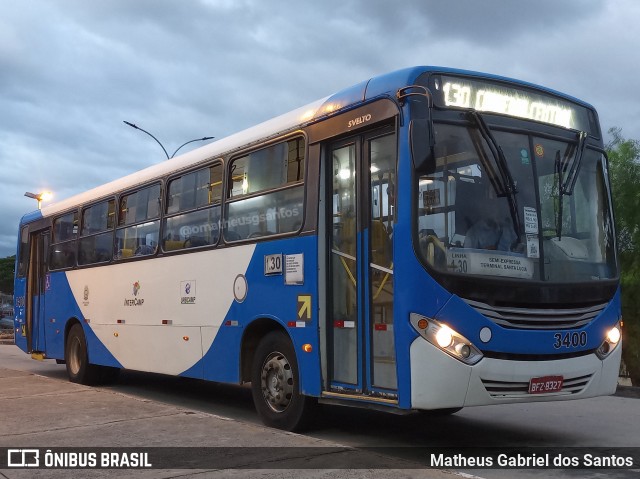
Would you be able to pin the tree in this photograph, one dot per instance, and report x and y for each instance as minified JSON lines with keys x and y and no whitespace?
{"x":6,"y":274}
{"x":624,"y":165}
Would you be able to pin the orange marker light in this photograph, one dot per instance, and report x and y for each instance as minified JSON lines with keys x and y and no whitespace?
{"x":115,"y":334}
{"x":307,"y":348}
{"x":423,"y":324}
{"x":186,"y":338}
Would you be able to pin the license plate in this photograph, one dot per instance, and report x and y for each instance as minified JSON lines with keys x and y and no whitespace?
{"x":545,"y":384}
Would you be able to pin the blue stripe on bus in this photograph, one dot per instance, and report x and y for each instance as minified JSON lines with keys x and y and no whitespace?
{"x":269,"y":298}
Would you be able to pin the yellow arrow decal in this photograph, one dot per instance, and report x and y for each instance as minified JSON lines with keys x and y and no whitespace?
{"x":304,"y":306}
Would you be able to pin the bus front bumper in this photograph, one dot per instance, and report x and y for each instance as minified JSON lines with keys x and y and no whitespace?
{"x":440,"y":381}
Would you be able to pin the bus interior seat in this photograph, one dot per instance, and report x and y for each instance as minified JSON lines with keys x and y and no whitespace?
{"x":195,"y":241}
{"x":348,"y":235}
{"x":173,"y":245}
{"x":380,"y":243}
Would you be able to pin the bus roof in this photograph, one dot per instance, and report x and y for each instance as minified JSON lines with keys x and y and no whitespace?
{"x":379,"y":86}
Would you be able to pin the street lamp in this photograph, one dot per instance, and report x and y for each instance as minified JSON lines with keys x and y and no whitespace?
{"x":205,"y":138}
{"x":40,"y":197}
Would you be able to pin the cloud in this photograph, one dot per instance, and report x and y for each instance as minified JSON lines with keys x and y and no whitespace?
{"x":71,"y":71}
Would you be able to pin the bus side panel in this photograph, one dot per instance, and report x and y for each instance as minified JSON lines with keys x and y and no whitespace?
{"x":221,"y":361}
{"x":289,"y":299}
{"x":414,"y":290}
{"x":59,"y":311}
{"x":98,"y":352}
{"x":160,"y":314}
{"x":20,"y":310}
{"x":60,"y":307}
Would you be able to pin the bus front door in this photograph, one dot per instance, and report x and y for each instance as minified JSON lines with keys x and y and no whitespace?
{"x":37,"y":286}
{"x":359,"y":223}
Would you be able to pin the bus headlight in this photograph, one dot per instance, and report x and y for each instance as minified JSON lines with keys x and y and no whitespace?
{"x":611,"y":340}
{"x":444,"y":336}
{"x":446,"y":339}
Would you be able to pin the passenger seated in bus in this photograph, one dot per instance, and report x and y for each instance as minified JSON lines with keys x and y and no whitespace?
{"x":144,"y":250}
{"x":491,"y":234}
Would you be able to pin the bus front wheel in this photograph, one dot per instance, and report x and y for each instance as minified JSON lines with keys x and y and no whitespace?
{"x":275,"y":385}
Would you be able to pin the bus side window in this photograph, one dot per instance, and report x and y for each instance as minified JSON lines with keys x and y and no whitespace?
{"x":279,"y":167}
{"x":193,"y":210}
{"x":138,"y":223}
{"x":23,"y":261}
{"x":96,"y":234}
{"x":62,"y":251}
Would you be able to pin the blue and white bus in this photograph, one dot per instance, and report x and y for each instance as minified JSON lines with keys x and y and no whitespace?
{"x":428,"y":239}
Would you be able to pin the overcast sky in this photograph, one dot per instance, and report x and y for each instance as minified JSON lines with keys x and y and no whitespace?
{"x":72,"y":70}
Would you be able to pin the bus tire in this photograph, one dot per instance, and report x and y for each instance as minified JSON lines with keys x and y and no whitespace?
{"x":77,"y":358}
{"x":275,"y":385}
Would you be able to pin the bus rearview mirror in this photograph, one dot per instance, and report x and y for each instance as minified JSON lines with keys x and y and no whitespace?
{"x":421,"y":145}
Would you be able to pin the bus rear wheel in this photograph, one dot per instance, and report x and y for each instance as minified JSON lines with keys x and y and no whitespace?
{"x":275,"y":385}
{"x":76,"y":358}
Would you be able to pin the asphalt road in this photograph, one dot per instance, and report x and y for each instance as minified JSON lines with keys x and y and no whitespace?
{"x":608,"y":422}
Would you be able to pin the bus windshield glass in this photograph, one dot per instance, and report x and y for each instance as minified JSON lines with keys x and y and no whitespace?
{"x":538,"y":230}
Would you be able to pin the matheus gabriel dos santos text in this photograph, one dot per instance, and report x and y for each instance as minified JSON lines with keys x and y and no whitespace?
{"x":531,"y":461}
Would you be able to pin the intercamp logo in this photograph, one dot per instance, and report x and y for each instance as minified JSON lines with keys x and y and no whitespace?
{"x":23,"y":458}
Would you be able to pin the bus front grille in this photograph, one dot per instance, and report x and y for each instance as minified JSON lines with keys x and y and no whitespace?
{"x":528,"y":318}
{"x":509,"y":389}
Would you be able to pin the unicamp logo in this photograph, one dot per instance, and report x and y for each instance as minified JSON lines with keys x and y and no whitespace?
{"x":188,"y":292}
{"x":136,"y":288}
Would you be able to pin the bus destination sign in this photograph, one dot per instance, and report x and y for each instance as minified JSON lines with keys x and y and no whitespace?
{"x":495,"y":97}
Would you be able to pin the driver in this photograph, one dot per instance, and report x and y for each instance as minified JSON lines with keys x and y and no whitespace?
{"x":490,"y":233}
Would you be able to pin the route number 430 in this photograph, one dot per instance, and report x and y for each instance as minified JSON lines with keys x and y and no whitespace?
{"x":570,"y":340}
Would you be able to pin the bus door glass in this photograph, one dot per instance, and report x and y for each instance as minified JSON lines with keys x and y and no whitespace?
{"x":37,"y":286}
{"x":360,"y":281}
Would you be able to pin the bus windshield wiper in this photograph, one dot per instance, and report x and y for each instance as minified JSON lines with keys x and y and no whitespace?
{"x":567,"y":182}
{"x":574,"y":166}
{"x":500,"y":175}
{"x":558,"y":167}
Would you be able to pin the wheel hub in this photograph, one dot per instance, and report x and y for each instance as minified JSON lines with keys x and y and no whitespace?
{"x":277,"y":381}
{"x":74,"y":355}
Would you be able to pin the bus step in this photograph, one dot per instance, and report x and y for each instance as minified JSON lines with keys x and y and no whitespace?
{"x":362,"y":402}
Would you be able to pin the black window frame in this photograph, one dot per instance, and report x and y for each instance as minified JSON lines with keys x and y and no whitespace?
{"x":23,"y":255}
{"x":72,"y":240}
{"x":133,"y":255}
{"x":94,"y":234}
{"x":231,"y":236}
{"x":216,"y":203}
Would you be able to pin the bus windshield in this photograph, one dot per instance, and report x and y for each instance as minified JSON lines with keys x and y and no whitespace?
{"x":538,"y":230}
